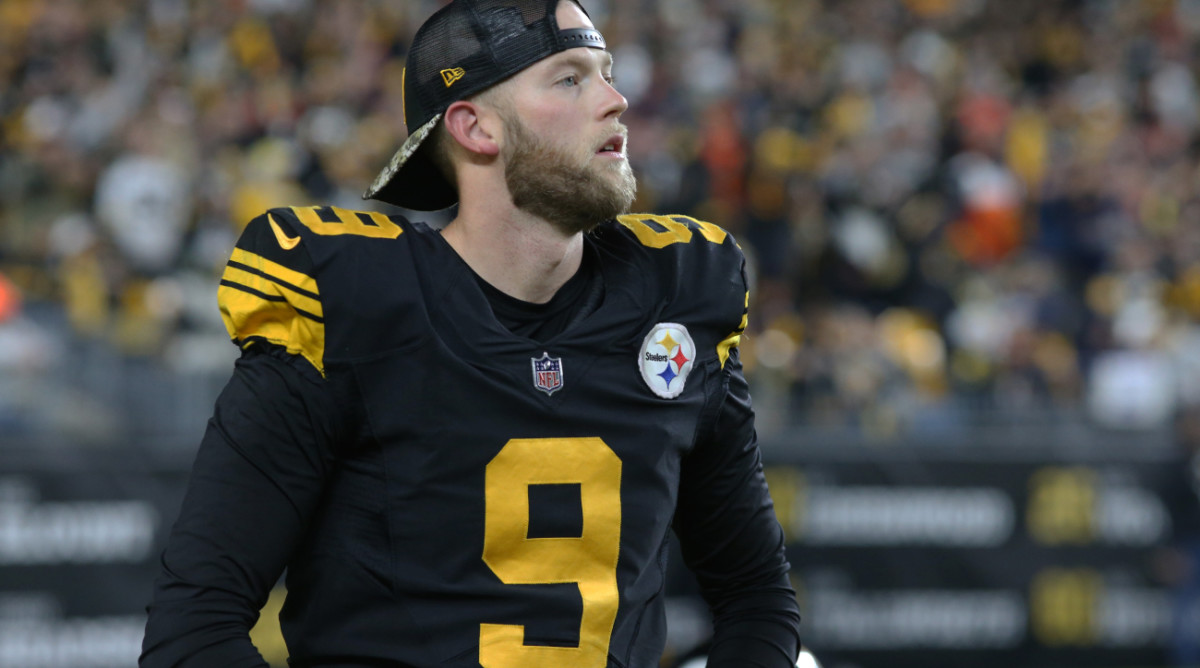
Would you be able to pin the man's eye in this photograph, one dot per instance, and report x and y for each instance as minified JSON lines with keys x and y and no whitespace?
{"x":572,"y":80}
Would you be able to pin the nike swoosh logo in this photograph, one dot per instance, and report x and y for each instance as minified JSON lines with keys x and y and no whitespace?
{"x":288,"y":243}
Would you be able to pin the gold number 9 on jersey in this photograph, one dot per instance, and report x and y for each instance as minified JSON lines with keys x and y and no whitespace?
{"x":590,"y":560}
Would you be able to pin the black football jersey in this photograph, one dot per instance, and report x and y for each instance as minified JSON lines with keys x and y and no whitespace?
{"x":480,"y":498}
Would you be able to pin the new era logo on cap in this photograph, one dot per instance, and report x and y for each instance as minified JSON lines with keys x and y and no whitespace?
{"x":452,"y":75}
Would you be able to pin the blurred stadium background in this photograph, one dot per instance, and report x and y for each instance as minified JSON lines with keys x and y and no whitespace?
{"x":974,"y":229}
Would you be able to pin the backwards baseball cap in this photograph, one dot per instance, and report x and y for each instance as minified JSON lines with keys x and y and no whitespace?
{"x":463,"y":49}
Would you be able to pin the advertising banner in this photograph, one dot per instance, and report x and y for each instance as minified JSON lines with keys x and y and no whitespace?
{"x":992,"y":563}
{"x":79,"y":547}
{"x":900,"y":562}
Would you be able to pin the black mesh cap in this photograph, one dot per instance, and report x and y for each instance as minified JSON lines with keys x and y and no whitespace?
{"x":464,"y":48}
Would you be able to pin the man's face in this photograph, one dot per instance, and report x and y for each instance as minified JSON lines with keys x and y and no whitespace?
{"x":565,"y":149}
{"x":571,"y":189}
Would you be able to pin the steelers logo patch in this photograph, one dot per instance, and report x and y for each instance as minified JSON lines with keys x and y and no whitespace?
{"x":667,"y":357}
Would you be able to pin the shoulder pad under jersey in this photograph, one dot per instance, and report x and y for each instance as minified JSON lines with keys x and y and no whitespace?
{"x":699,"y":271}
{"x":269,"y":291}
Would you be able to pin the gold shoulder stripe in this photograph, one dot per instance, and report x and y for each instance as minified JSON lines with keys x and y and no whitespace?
{"x":263,"y":300}
{"x":273,"y":292}
{"x":735,"y":339}
{"x":241,"y":276}
{"x":276,"y":272}
{"x":724,"y":347}
{"x":250,"y":318}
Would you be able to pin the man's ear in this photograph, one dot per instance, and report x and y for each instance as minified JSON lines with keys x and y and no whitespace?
{"x":473,"y":127}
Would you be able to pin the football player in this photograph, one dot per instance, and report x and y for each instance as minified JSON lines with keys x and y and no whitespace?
{"x":469,"y":446}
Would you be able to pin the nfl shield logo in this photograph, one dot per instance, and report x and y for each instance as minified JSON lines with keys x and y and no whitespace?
{"x":547,"y":373}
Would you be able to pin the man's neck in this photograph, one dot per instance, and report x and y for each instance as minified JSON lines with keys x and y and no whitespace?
{"x":521,"y":255}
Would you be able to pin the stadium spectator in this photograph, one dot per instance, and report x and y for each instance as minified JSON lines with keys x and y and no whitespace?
{"x":1015,"y":179}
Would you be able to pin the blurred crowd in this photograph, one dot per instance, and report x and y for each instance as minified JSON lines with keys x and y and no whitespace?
{"x":950,"y":207}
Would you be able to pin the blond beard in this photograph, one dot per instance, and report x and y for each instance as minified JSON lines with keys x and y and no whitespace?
{"x":544,"y":181}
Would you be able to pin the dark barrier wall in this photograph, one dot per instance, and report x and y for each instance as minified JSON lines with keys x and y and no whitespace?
{"x":80,"y":534}
{"x":922,"y":559}
{"x":901,"y":557}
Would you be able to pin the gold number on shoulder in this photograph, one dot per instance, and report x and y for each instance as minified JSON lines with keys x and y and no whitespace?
{"x":674,"y":229}
{"x":331,"y":220}
{"x":589,"y":560}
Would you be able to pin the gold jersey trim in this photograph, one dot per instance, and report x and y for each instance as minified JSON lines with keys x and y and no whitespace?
{"x":264,"y":300}
{"x":333,"y":221}
{"x":674,"y":229}
{"x":735,"y":339}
